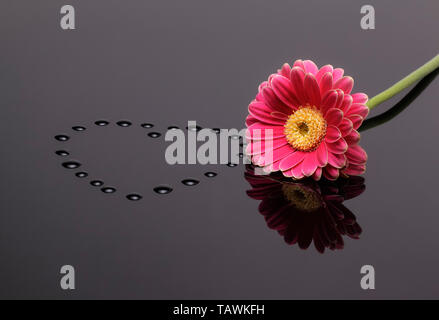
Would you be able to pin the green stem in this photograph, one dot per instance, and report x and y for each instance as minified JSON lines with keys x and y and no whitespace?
{"x":401,"y":105}
{"x":404,"y":83}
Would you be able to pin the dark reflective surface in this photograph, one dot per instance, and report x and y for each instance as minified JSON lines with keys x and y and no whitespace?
{"x":166,"y":62}
{"x":308,"y":211}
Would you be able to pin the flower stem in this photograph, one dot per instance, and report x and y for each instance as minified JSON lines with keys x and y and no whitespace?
{"x":404,"y":83}
{"x":401,"y":105}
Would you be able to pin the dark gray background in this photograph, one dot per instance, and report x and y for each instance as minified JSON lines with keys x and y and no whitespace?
{"x":167,"y":62}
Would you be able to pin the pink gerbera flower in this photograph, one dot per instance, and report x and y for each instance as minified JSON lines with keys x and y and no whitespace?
{"x":304,"y":122}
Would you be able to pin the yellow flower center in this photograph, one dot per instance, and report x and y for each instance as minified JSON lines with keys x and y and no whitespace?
{"x":305,"y":128}
{"x":301,"y":198}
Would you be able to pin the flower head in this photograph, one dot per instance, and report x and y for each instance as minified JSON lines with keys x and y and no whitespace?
{"x":307,"y":211}
{"x":303,"y":122}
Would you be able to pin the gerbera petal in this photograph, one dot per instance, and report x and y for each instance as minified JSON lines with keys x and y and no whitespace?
{"x":270,"y":77}
{"x":261,"y":105}
{"x":257,"y":147}
{"x":268,"y":169}
{"x":322,"y":154}
{"x":297,"y":77}
{"x":325,"y":83}
{"x":277,"y":154}
{"x":329,"y":101}
{"x":356,"y":155}
{"x":340,"y":98}
{"x":259,"y":96}
{"x":310,"y":67}
{"x":260,"y":131}
{"x":256,"y":159}
{"x":297,"y":171}
{"x":355,"y":169}
{"x":339,"y":146}
{"x":309,"y":164}
{"x":312,"y":89}
{"x":337,"y":74}
{"x":352,"y":138}
{"x":283,"y":89}
{"x":317,"y":174}
{"x":292,"y":160}
{"x":262,"y":85}
{"x":288,"y":173}
{"x":332,"y":134}
{"x":337,"y":160}
{"x":285,"y":70}
{"x":360,"y":109}
{"x":356,"y":120}
{"x":346,"y":104}
{"x":359,"y":97}
{"x":275,"y":165}
{"x":273,"y":101}
{"x":345,"y":127}
{"x":330,"y":173}
{"x":299,"y":63}
{"x":334,"y":116}
{"x":323,"y":70}
{"x":250,"y":120}
{"x":260,"y":111}
{"x":346,"y":84}
{"x":279,"y":115}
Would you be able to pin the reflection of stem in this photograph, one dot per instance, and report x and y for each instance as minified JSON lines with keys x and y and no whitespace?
{"x":404,"y":83}
{"x":401,"y":105}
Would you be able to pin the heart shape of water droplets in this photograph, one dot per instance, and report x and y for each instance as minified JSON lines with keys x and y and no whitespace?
{"x":97,"y":183}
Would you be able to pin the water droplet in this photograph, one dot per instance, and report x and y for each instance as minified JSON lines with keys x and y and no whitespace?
{"x":190,"y":182}
{"x":62,"y":153}
{"x":134,"y":197}
{"x":154,"y":134}
{"x":78,"y":128}
{"x":96,"y":183}
{"x":196,"y":128}
{"x":62,"y":137}
{"x":216,"y":130}
{"x":210,"y":174}
{"x":81,"y":174}
{"x":162,"y":189}
{"x":241,"y":155}
{"x":230,"y":164}
{"x":173,"y":128}
{"x":102,"y":123}
{"x":123,"y":123}
{"x":108,"y":190}
{"x":147,"y":125}
{"x":71,"y":164}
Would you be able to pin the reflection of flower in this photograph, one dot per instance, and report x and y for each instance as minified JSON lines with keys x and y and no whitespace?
{"x":313,"y":118}
{"x":307,"y":210}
